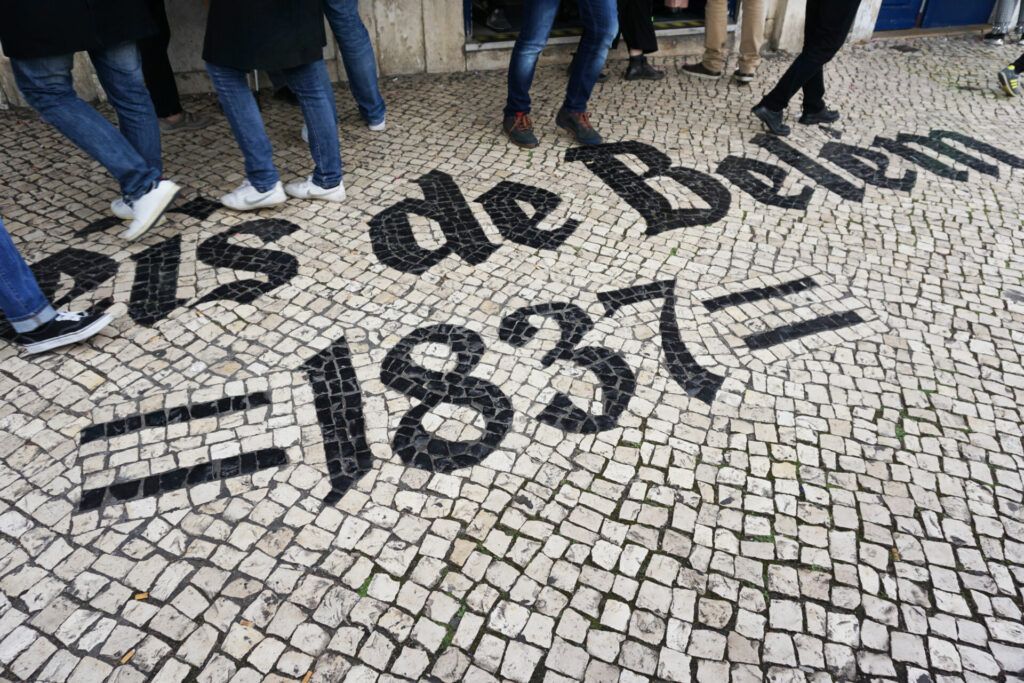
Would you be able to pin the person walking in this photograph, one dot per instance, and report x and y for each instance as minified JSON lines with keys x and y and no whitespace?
{"x":600,"y":26}
{"x":159,"y":76}
{"x":1007,"y":16}
{"x":827,"y":24}
{"x":41,"y":38}
{"x":716,"y":37}
{"x":37,"y":326}
{"x":637,"y":24}
{"x":243,"y":35}
{"x":360,"y":62}
{"x":1009,"y":78}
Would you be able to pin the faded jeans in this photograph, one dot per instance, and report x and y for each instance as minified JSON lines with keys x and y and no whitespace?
{"x":312,"y":87}
{"x":131,"y":154}
{"x":600,"y":26}
{"x":22,"y":302}
{"x":357,"y":56}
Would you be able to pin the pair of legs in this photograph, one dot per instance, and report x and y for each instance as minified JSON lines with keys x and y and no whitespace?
{"x":716,"y":36}
{"x":637,"y":26}
{"x":358,"y":58}
{"x":828,"y":22}
{"x":1008,"y":14}
{"x":638,"y":31}
{"x":159,"y":75}
{"x":156,"y":67}
{"x":600,"y":26}
{"x":131,"y":153}
{"x":37,"y":325}
{"x":312,"y":87}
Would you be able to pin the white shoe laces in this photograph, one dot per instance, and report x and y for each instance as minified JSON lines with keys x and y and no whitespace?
{"x":69,"y":316}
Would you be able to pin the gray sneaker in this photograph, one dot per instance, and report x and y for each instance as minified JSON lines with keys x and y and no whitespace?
{"x":1009,"y":80}
{"x":578,"y":124}
{"x":519,"y":129}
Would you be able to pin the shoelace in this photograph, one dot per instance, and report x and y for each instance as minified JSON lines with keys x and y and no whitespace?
{"x":69,"y":316}
{"x":522,"y":121}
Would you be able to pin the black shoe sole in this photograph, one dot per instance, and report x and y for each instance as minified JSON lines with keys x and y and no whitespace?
{"x":815,"y":121}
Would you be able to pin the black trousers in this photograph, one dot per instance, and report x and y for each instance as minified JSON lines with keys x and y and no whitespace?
{"x":1018,"y":66}
{"x":637,"y":26}
{"x":827,"y":25}
{"x":156,"y":68}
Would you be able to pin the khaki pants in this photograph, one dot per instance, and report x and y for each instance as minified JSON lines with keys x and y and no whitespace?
{"x":716,"y":20}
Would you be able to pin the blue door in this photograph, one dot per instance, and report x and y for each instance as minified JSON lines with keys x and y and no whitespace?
{"x":896,"y":15}
{"x":956,"y":12}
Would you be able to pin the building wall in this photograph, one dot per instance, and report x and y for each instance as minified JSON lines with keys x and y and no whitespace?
{"x":416,"y":36}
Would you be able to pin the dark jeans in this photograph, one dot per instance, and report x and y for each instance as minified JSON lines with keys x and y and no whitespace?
{"x":1018,"y":66}
{"x":156,"y":68}
{"x":827,"y":24}
{"x":637,"y":25}
{"x":600,"y":26}
{"x":312,"y":87}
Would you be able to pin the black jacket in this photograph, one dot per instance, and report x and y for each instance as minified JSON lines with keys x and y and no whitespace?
{"x":46,"y":28}
{"x":263,"y":34}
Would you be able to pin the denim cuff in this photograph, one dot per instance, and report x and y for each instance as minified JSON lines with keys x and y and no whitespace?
{"x":34,"y":321}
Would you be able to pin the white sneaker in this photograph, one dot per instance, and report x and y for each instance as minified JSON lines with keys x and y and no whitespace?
{"x":378,"y":127}
{"x":122,"y":209}
{"x":307,"y":189}
{"x":247,"y":198}
{"x":149,"y":208}
{"x":305,"y":133}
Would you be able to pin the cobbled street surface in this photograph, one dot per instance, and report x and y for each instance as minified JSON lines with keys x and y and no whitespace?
{"x":696,"y":405}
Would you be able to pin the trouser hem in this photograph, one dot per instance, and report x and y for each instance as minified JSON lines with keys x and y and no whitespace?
{"x":34,"y":321}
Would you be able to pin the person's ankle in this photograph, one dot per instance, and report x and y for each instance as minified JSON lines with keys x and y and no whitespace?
{"x":173,"y":118}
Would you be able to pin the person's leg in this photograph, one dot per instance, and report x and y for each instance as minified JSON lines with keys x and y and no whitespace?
{"x":716,"y":35}
{"x":156,"y":67}
{"x":22,"y":302}
{"x":358,"y":58}
{"x":637,"y":27}
{"x":751,"y":35}
{"x":1002,"y":19}
{"x":538,"y":18}
{"x":805,"y":66}
{"x":832,"y":25}
{"x":47,"y":87}
{"x":312,"y":86}
{"x":119,"y":70}
{"x":600,"y":26}
{"x":1018,"y":66}
{"x":243,"y":116}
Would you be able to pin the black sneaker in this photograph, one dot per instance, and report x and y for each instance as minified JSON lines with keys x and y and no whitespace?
{"x":579,"y":126}
{"x":741,"y":77}
{"x":994,"y":38}
{"x":701,"y":71}
{"x":519,"y":129}
{"x":66,"y":328}
{"x":772,"y":120}
{"x":497,"y":21}
{"x":640,"y":69}
{"x":825,"y":116}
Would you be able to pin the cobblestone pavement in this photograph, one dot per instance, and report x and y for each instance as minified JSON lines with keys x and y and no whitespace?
{"x":696,"y":405}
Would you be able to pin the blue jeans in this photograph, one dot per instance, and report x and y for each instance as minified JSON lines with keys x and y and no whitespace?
{"x":312,"y":87}
{"x":131,"y":154}
{"x":357,"y":55}
{"x":600,"y":26}
{"x":21,"y":300}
